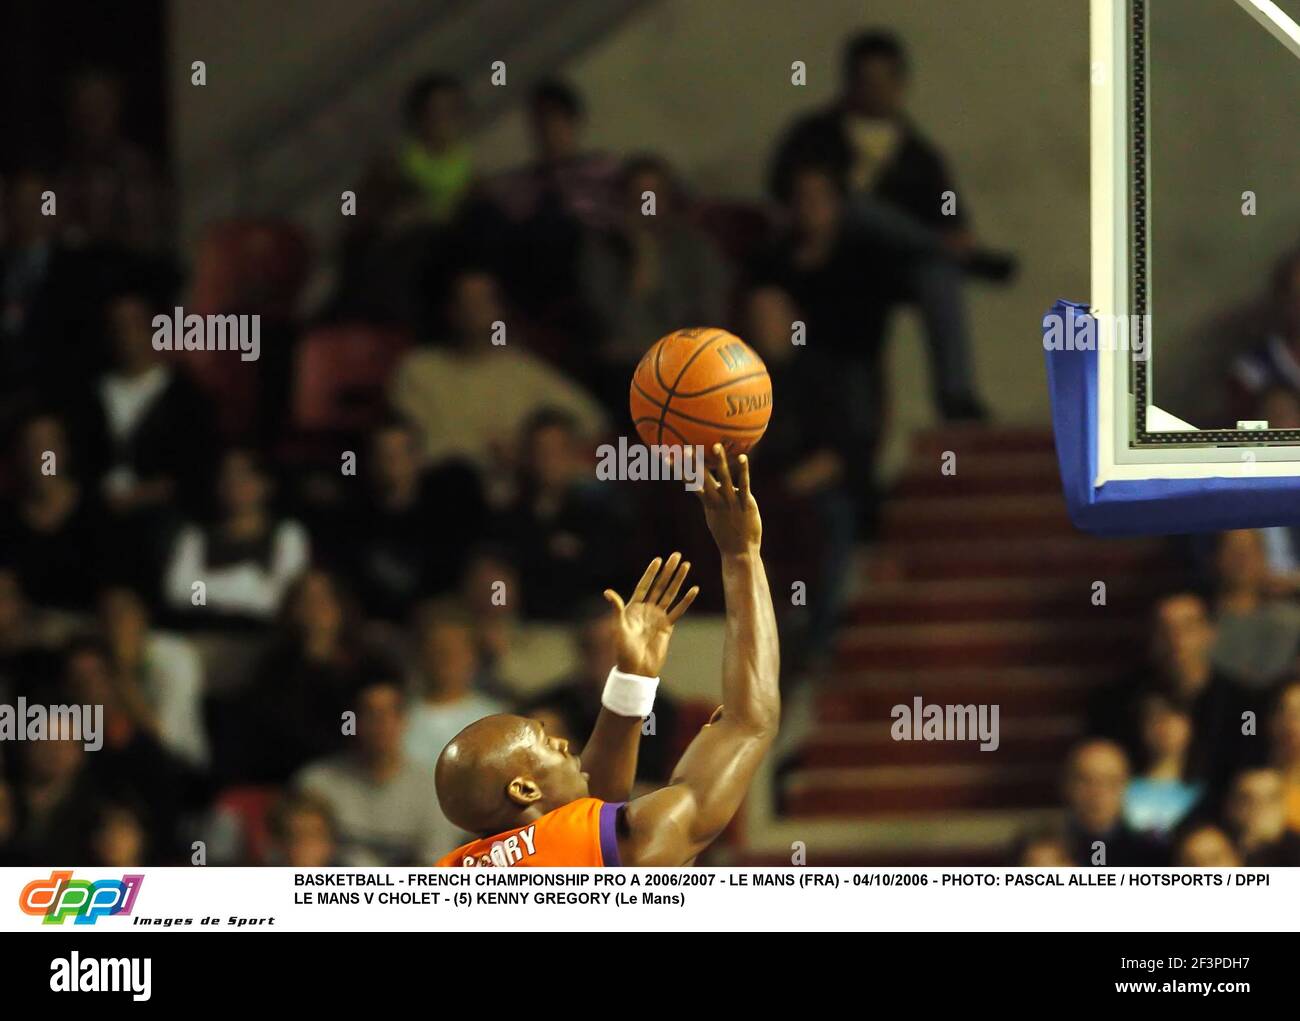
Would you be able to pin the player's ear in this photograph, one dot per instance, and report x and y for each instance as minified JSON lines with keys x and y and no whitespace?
{"x":523,"y":790}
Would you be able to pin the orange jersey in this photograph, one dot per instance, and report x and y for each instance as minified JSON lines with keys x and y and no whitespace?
{"x":581,"y":834}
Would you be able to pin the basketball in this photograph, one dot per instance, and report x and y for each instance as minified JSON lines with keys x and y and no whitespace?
{"x":701,"y":386}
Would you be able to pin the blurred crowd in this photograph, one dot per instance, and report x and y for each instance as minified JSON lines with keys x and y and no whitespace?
{"x":290,"y":581}
{"x":1193,"y":758}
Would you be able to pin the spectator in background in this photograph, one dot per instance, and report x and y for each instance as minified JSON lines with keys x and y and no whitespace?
{"x":302,"y":832}
{"x":1157,"y":800}
{"x":45,"y":286}
{"x":838,"y":284}
{"x":447,"y":670}
{"x":55,"y":796}
{"x":470,"y":397}
{"x":569,"y":707}
{"x":162,"y":672}
{"x":435,"y":163}
{"x":384,"y":802}
{"x":565,"y":530}
{"x":10,"y":854}
{"x":563,"y":176}
{"x":1279,"y":406}
{"x":152,"y":436}
{"x":652,"y":273}
{"x":27,"y":643}
{"x":246,"y":559}
{"x":517,"y":656}
{"x":109,"y":188}
{"x":1256,"y":815}
{"x":302,"y":684}
{"x":1284,"y":744}
{"x":1096,"y":776}
{"x":420,"y":201}
{"x":118,"y":837}
{"x":384,"y":541}
{"x":133,"y":762}
{"x":1273,"y":365}
{"x":1207,"y":847}
{"x":1180,"y":667}
{"x":51,"y":534}
{"x":552,"y":201}
{"x":819,"y":469}
{"x":1257,"y":638}
{"x":1043,"y":849}
{"x":29,"y":253}
{"x":903,"y":202}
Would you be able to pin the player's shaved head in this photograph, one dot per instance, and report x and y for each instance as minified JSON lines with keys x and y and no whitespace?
{"x":502,"y":771}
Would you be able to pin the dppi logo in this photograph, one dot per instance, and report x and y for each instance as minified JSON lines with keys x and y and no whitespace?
{"x":61,"y":896}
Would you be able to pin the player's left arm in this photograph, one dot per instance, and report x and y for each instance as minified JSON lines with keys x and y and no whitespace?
{"x":644,"y":625}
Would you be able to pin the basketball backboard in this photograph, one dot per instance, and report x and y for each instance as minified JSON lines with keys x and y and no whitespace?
{"x":1194,"y":201}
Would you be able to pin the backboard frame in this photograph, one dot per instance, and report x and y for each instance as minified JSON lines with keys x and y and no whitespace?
{"x":1136,"y":440}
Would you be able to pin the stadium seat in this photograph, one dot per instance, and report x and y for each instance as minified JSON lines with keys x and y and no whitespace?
{"x":740,"y":229}
{"x":340,"y":379}
{"x":232,"y":385}
{"x":250,"y":266}
{"x":246,"y":812}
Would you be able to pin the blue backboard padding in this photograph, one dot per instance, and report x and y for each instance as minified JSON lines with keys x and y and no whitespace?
{"x":1152,"y":506}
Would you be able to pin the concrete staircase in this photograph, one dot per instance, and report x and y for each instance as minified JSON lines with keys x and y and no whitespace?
{"x":981,"y":592}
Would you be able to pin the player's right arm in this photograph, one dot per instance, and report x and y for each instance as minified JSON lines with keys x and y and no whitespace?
{"x":672,"y":825}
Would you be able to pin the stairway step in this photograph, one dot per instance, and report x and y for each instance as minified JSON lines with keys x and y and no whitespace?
{"x":1018,"y":691}
{"x":979,"y":593}
{"x":1083,"y":556}
{"x":861,"y":745}
{"x":903,"y":789}
{"x":982,"y":837}
{"x":917,"y":601}
{"x":1010,"y":682}
{"x":984,"y":439}
{"x":982,"y":515}
{"x":991,"y":645}
{"x":980,"y":473}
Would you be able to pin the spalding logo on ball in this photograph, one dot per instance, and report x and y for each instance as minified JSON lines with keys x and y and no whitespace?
{"x":700,"y":387}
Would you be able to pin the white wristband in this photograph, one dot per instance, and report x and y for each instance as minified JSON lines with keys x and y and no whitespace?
{"x":629,"y":694}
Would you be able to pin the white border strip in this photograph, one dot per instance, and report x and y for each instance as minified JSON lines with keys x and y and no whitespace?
{"x":1109,"y":73}
{"x":1110,"y":229}
{"x":1276,"y":21}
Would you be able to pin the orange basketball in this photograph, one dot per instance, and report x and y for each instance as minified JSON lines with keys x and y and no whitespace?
{"x":701,"y":386}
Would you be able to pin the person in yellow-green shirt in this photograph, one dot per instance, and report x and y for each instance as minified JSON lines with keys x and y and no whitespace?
{"x":434,"y":162}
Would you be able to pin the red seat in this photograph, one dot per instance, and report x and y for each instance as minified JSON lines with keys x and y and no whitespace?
{"x":231,"y":384}
{"x":341,"y":377}
{"x":250,"y":266}
{"x":739,"y":229}
{"x":250,"y":809}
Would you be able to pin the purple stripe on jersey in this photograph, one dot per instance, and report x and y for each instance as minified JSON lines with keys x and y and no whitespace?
{"x":609,"y":832}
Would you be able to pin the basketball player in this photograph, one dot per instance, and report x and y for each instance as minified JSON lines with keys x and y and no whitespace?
{"x":506,"y":778}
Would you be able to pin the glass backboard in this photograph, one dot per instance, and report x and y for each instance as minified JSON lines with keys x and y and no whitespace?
{"x":1196,"y":202}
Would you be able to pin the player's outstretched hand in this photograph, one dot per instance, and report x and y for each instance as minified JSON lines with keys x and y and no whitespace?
{"x":645,"y":623}
{"x":731,"y":510}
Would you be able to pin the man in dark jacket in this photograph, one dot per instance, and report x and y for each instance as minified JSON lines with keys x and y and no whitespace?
{"x":902,"y":199}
